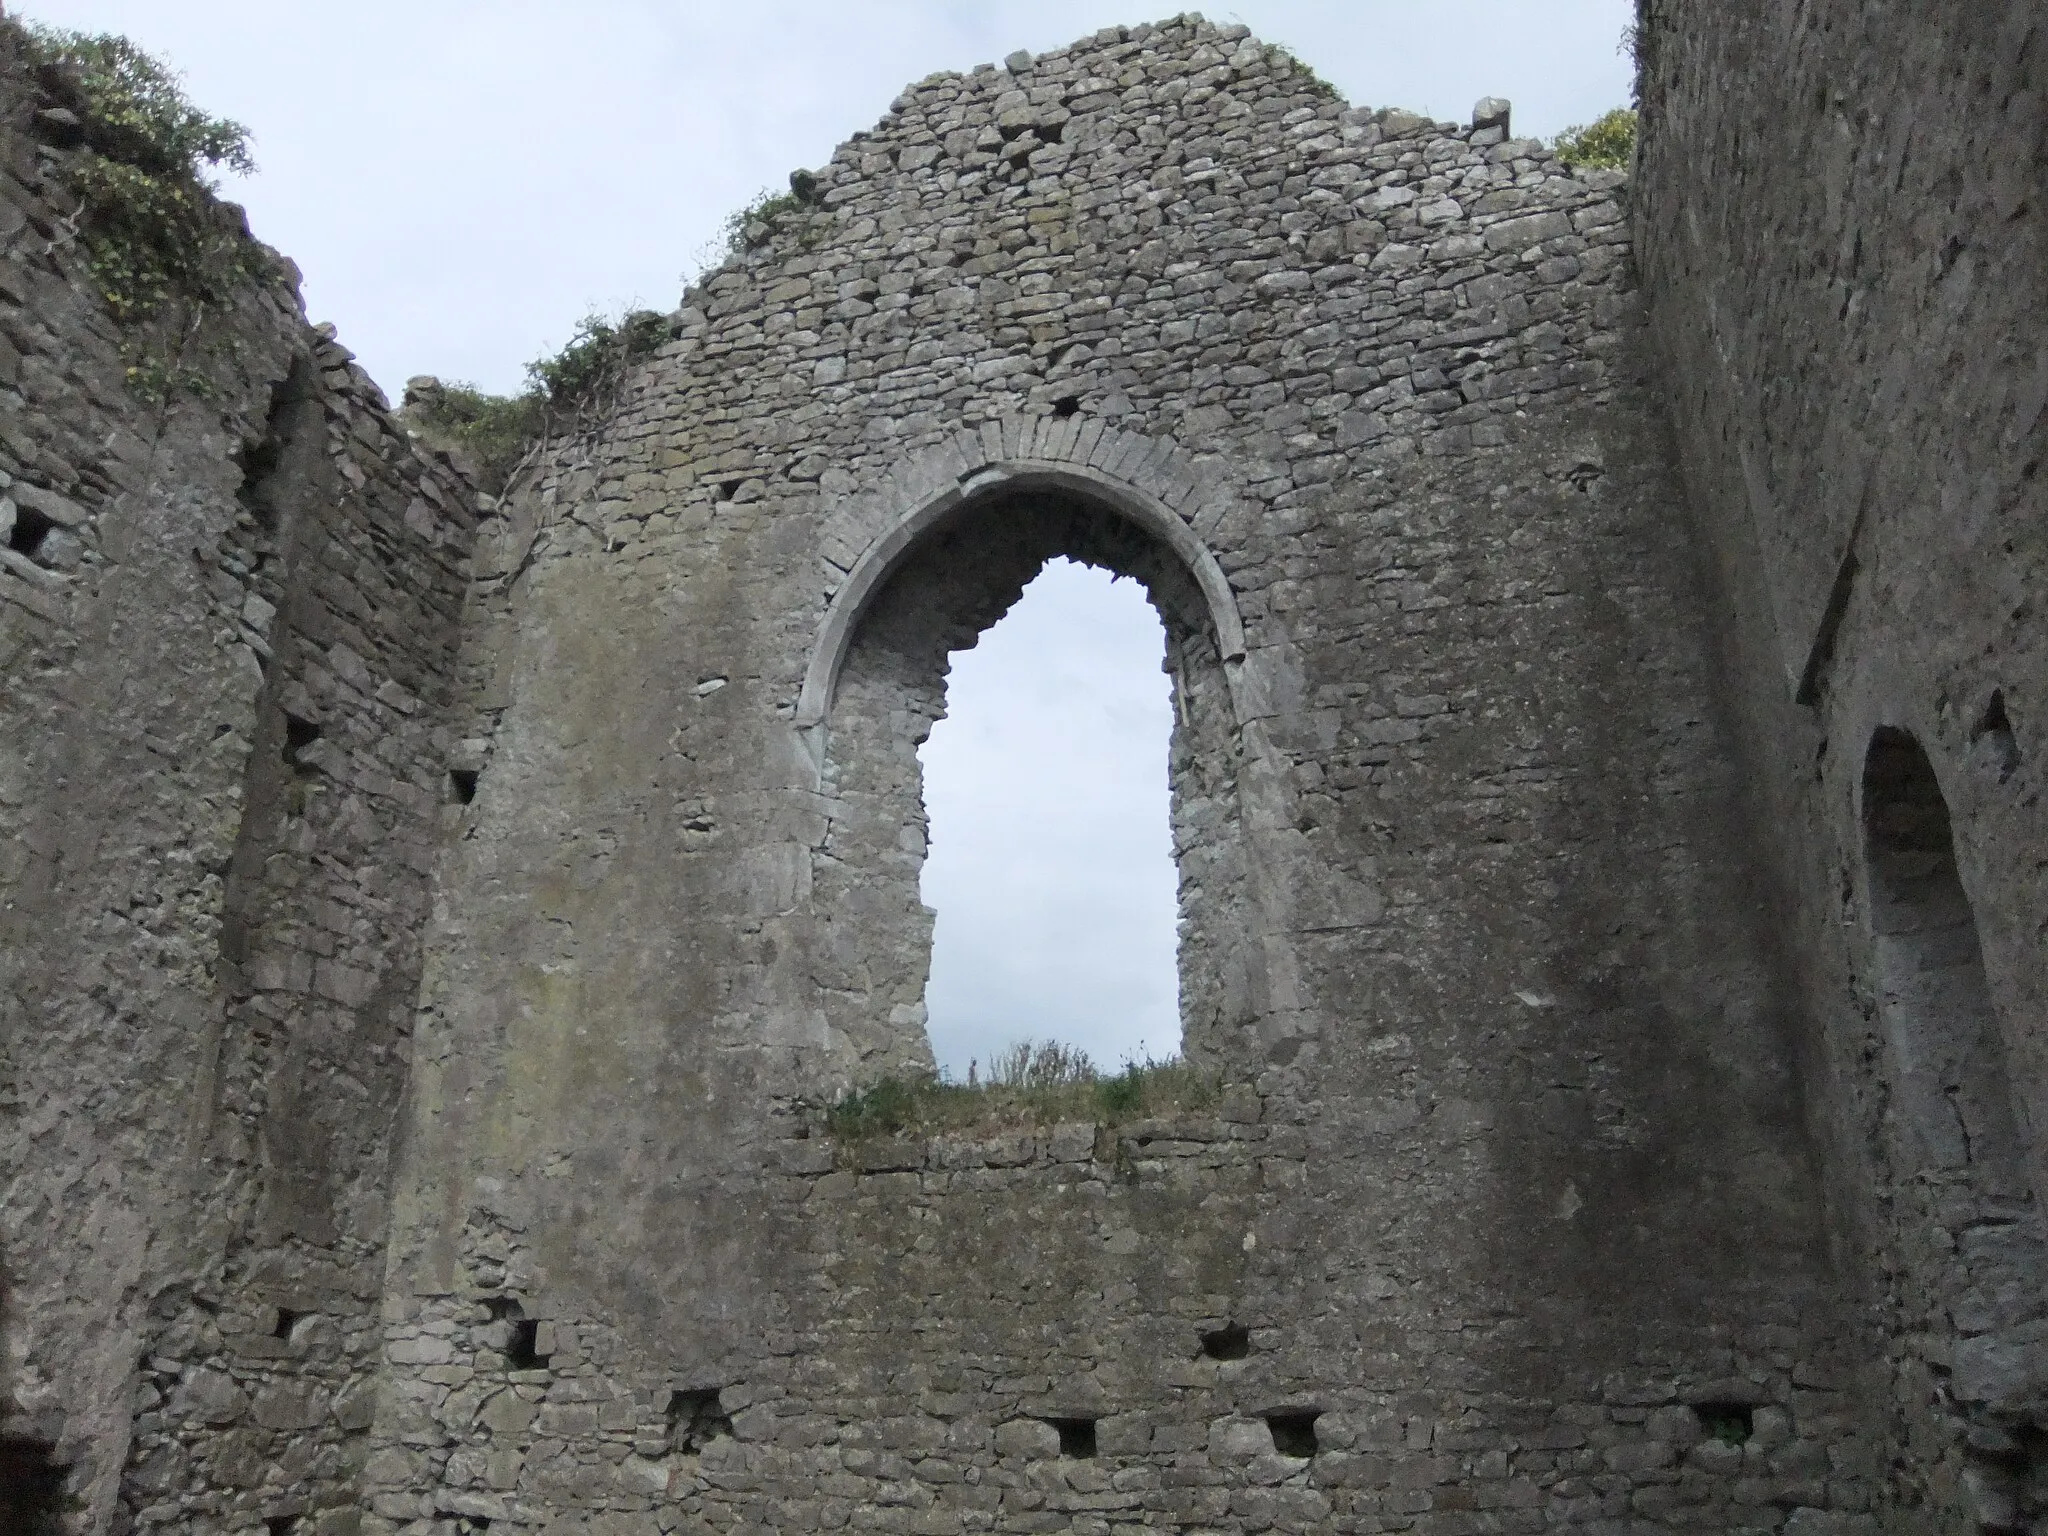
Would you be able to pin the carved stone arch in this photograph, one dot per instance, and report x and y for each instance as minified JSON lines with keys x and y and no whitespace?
{"x":1145,"y":480}
{"x":1143,"y":507}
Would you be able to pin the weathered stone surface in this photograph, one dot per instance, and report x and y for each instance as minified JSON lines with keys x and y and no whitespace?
{"x":1841,"y":234}
{"x":1625,"y":1099}
{"x":1363,"y":403}
{"x":209,"y":929}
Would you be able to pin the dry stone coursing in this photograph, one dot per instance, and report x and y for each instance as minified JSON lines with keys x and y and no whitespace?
{"x":1511,"y":1197}
{"x":223,"y":668}
{"x":431,"y":937}
{"x":1841,"y":229}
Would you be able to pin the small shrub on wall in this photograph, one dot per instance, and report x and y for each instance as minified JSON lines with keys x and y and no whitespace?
{"x":564,"y":393}
{"x":152,"y":229}
{"x":1606,"y":143}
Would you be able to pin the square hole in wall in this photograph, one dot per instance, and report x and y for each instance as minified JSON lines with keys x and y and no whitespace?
{"x":462,"y":784}
{"x":1729,"y":1423}
{"x":1233,"y":1341}
{"x":1077,"y":1437}
{"x":286,"y":1317}
{"x":695,"y":1418}
{"x":298,"y":735}
{"x":522,"y":1351}
{"x":1294,"y":1431}
{"x":30,"y":529}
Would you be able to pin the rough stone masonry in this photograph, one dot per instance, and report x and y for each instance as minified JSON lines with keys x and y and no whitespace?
{"x":1603,"y":617}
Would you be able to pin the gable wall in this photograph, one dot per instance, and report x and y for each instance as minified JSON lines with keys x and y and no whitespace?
{"x":1508,"y":1166}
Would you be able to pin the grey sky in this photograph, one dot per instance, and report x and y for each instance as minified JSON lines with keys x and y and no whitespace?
{"x":460,"y":180}
{"x":1051,"y":862}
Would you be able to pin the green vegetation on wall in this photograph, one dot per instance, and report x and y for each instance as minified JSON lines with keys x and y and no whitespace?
{"x":1028,"y":1084}
{"x":568,"y":390}
{"x":766,"y":211}
{"x":563,"y":393}
{"x":1606,"y":143}
{"x":1282,"y":60}
{"x":153,"y":232}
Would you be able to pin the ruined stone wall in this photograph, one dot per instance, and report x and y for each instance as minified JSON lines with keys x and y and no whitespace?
{"x":1840,"y":221}
{"x":1507,"y":1204}
{"x":226,"y":629}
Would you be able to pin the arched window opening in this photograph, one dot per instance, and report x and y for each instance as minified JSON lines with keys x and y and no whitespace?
{"x":1966,"y":1147}
{"x":1051,"y":864}
{"x":951,"y":586}
{"x":1933,"y":997}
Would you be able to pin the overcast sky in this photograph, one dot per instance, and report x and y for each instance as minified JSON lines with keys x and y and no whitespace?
{"x":1051,"y":862}
{"x":460,"y":180}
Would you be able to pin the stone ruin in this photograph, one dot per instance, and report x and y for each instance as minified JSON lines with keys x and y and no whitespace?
{"x":1604,"y":618}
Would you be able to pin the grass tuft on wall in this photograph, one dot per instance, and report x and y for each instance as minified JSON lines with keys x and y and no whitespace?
{"x":1030,"y":1083}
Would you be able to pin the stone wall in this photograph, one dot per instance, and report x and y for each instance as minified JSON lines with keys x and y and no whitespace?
{"x":226,"y":630}
{"x":1068,"y":1329}
{"x":1509,"y":1191}
{"x":1604,"y":790}
{"x":1840,"y":221}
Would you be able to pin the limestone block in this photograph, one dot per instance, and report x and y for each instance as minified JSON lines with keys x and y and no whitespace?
{"x":1032,"y":1439}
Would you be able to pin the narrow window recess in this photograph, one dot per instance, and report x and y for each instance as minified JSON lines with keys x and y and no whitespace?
{"x":1077,"y":1438}
{"x":30,"y":529}
{"x":1953,"y":1085}
{"x":1233,"y":1341}
{"x":1294,"y":1431}
{"x":522,"y":1351}
{"x":262,"y":457}
{"x":298,"y":736}
{"x":462,"y":784}
{"x":727,"y":489}
{"x":259,"y":461}
{"x":280,"y":1525}
{"x":1729,"y":1423}
{"x":1992,"y":740}
{"x":1067,"y":405}
{"x":287,"y":1319}
{"x":695,"y":1418}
